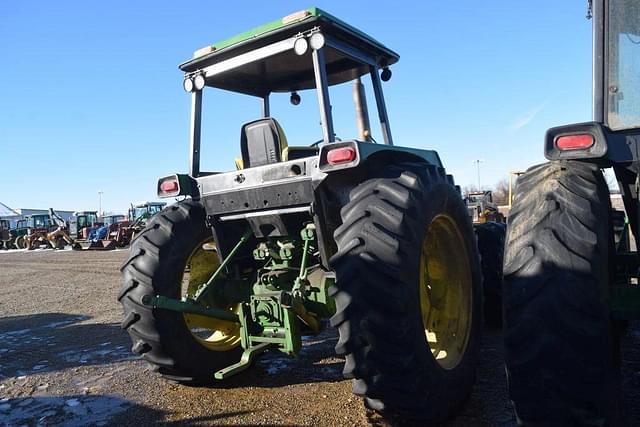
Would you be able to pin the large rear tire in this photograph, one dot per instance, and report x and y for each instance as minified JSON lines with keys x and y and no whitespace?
{"x":163,"y":259}
{"x":559,"y":344}
{"x":408,"y":293}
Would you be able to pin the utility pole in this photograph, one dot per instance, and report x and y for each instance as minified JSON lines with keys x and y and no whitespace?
{"x":100,"y":202}
{"x":477,"y":162}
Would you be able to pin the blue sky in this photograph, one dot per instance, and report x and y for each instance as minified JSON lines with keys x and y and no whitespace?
{"x":91,"y":96}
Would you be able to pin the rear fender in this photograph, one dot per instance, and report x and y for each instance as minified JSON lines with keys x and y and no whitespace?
{"x":596,"y":152}
{"x":364,"y":152}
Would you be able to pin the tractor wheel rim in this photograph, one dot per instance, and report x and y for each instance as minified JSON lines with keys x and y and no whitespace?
{"x":445,"y":291}
{"x":214,"y":334}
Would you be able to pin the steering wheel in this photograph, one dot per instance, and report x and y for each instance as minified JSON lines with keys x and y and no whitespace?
{"x":320,"y":141}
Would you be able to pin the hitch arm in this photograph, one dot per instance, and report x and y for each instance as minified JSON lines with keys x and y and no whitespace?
{"x":189,"y":307}
{"x":204,"y":289}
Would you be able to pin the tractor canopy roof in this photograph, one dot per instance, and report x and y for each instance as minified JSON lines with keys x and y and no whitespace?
{"x":263,"y":60}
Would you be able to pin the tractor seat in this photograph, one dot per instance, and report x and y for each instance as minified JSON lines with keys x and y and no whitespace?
{"x":262,"y":142}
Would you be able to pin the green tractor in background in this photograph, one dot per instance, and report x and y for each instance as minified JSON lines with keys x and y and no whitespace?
{"x":371,"y":238}
{"x":141,"y":212}
{"x":571,"y":281}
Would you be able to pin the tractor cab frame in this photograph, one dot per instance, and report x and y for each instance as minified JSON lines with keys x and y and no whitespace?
{"x":612,"y":139}
{"x":570,"y":276}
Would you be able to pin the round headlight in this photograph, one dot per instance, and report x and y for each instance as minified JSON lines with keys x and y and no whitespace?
{"x":385,"y":76}
{"x":316,"y":41}
{"x":187,"y":84}
{"x":300,"y":46}
{"x":199,"y":82}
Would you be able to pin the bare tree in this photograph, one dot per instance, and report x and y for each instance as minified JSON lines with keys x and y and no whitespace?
{"x":469,"y":188}
{"x":501,"y":192}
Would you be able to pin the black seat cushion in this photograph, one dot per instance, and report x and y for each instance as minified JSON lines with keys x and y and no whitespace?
{"x":261,"y":142}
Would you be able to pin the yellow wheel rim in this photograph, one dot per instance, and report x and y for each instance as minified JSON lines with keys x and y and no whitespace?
{"x":445,"y":291}
{"x":216,"y":335}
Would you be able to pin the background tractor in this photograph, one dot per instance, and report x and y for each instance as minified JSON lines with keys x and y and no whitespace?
{"x":119,"y":230}
{"x":490,"y":227}
{"x":112,"y":231}
{"x":34,"y":232}
{"x":373,"y":236}
{"x":143,"y":211}
{"x":81,"y":224}
{"x":570,"y":281}
{"x":138,"y":216}
{"x":43,"y":230}
{"x":481,"y":207}
{"x":88,"y":232}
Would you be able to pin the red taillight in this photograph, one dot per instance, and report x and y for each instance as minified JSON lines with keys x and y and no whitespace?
{"x":574,"y":142}
{"x":169,"y":186}
{"x":341,"y":155}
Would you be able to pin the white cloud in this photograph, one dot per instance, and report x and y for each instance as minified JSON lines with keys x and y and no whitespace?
{"x":526,"y":118}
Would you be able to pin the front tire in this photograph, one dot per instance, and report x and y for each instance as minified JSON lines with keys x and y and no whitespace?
{"x":181,"y":347}
{"x":408,"y":293}
{"x":559,"y":345}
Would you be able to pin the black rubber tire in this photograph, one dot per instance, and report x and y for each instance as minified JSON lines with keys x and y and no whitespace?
{"x":491,"y":236}
{"x":559,"y":345}
{"x":157,"y":260}
{"x":20,"y":242}
{"x":378,"y":297}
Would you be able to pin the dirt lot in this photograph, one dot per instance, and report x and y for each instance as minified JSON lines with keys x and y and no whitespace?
{"x":65,"y":360}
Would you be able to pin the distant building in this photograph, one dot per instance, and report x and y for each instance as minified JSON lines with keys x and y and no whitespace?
{"x":9,"y":214}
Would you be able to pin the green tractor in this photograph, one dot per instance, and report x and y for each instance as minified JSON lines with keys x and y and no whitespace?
{"x":370,"y":238}
{"x":141,"y":212}
{"x":138,"y":215}
{"x":571,"y":283}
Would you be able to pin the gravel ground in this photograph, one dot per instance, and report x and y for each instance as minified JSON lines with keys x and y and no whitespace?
{"x":64,"y":360}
